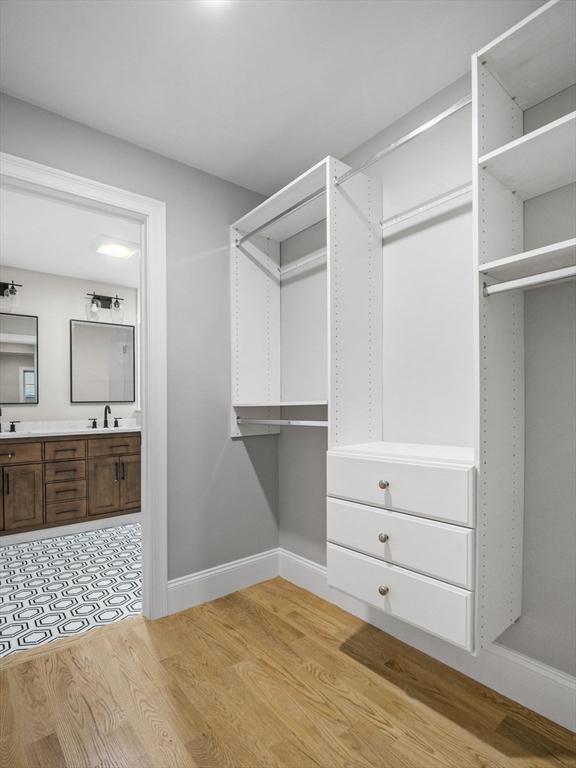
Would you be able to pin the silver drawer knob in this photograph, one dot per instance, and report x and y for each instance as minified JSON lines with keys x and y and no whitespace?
{"x":384,"y":484}
{"x":383,"y":537}
{"x":383,"y":591}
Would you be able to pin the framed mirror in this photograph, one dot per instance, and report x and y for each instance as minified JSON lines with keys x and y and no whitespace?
{"x":18,"y":359}
{"x":102,"y":362}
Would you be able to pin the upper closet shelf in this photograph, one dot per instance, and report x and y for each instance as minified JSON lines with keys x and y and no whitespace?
{"x":289,"y":211}
{"x":536,"y":58}
{"x":538,"y":162}
{"x":280,"y":404}
{"x":550,"y":257}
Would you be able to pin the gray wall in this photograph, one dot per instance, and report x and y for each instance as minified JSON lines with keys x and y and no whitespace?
{"x":222,"y":501}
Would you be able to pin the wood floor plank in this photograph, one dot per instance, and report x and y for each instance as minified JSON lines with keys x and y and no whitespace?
{"x":270,"y":677}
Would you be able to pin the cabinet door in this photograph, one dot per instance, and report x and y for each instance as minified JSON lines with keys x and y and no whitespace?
{"x":103,"y":485}
{"x":130,"y":482}
{"x":23,"y":496}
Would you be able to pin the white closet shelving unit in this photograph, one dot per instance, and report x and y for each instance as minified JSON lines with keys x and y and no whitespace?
{"x":432,"y":534}
{"x":310,"y":242}
{"x":526,"y":67}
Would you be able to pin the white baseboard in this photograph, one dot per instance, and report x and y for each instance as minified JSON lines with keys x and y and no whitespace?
{"x":196,"y":588}
{"x":534,"y":685}
{"x":69,"y":530}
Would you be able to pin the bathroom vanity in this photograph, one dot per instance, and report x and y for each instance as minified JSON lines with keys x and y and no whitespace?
{"x":47,"y":481}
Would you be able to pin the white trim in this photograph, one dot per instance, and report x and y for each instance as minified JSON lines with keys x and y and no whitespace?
{"x":197,"y":588}
{"x":152,"y":214}
{"x":69,"y":530}
{"x":548,"y":691}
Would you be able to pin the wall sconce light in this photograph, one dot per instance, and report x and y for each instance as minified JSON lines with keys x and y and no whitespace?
{"x":9,"y":289}
{"x":98,"y":302}
{"x":9,"y":292}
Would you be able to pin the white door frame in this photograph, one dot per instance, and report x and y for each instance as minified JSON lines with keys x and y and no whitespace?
{"x":153,"y":364}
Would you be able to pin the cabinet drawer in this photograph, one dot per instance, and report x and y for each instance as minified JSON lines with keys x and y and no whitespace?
{"x":19,"y":453}
{"x":65,"y":449}
{"x":436,"y":607}
{"x":65,"y":470}
{"x":436,"y":549}
{"x":440,"y":492}
{"x":114,"y":446}
{"x":65,"y":510}
{"x":67,"y":491}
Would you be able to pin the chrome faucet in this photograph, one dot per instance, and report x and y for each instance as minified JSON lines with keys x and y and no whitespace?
{"x":107,"y":411}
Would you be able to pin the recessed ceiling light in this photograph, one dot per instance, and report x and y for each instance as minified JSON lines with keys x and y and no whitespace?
{"x":120,"y":249}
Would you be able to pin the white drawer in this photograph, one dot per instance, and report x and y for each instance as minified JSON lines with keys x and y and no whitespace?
{"x":438,"y":491}
{"x":437,"y":607}
{"x":436,"y":549}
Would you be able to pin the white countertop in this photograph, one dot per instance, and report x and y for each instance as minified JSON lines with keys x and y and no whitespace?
{"x":61,"y":431}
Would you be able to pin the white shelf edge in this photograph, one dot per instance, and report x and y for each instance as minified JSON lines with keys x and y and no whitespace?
{"x":513,"y":30}
{"x":527,"y":138}
{"x":522,"y":258}
{"x":281,"y":404}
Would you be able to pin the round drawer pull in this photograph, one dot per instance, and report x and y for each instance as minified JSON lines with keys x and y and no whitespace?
{"x":384,"y":485}
{"x":383,"y":591}
{"x":383,"y":537}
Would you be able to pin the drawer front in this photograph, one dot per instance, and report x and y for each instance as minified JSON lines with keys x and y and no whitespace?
{"x":65,"y":470}
{"x":65,"y":510}
{"x":435,"y":549}
{"x":436,"y":607}
{"x":439,"y":492}
{"x":114,"y":446}
{"x":19,"y":453}
{"x":60,"y":450}
{"x":67,"y":491}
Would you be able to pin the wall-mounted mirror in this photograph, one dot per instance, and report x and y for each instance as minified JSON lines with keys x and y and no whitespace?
{"x":18,"y":359}
{"x":101,"y":362}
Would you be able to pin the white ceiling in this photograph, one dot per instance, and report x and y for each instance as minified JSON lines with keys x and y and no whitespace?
{"x":253,"y":91}
{"x":48,"y":235}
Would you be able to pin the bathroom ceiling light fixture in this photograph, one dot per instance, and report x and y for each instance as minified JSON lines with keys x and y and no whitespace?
{"x":98,"y":302}
{"x":119,"y":249}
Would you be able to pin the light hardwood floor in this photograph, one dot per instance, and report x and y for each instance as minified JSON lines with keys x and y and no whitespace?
{"x":270,"y":676}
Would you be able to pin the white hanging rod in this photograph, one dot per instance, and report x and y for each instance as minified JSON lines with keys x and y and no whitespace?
{"x":292,"y":209}
{"x":404,"y":139}
{"x":316,"y":256}
{"x":531,"y":281}
{"x":432,"y":203}
{"x":283,"y":422}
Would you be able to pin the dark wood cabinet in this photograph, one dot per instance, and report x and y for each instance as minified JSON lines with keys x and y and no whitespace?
{"x":130,"y":482}
{"x":23,"y":496}
{"x":103,"y":485}
{"x":54,"y":481}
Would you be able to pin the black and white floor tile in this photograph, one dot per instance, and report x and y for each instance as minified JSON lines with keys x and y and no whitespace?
{"x":60,"y":587}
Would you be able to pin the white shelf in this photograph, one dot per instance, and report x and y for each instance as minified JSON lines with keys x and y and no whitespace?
{"x":450,"y":454}
{"x":550,"y":257}
{"x":281,"y":404}
{"x":292,"y":194}
{"x":537,"y":58}
{"x":538,"y":162}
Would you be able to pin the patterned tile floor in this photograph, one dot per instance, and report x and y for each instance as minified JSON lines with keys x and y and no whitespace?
{"x":60,"y":587}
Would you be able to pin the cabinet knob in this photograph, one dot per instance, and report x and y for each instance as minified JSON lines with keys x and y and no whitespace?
{"x":383,"y":537}
{"x":384,"y":484}
{"x":383,"y":591}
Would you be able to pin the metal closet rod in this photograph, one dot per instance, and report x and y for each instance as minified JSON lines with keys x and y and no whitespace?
{"x":366,"y":164}
{"x":531,"y":281}
{"x":405,"y":139}
{"x":432,"y":203}
{"x":283,"y":422}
